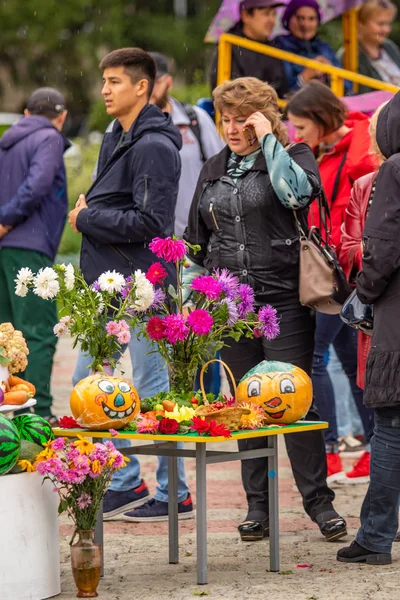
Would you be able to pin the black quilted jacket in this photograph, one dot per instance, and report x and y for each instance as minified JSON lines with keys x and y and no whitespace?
{"x":379,"y":280}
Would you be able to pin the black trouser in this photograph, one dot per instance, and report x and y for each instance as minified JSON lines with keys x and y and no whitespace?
{"x":306,"y":451}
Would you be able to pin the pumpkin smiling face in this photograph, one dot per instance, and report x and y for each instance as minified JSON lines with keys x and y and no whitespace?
{"x":101,"y":402}
{"x":281,"y":389}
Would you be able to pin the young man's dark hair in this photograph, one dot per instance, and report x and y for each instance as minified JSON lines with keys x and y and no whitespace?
{"x":137,"y":63}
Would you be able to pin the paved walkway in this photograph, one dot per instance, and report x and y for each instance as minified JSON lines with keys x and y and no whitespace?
{"x":136,"y":554}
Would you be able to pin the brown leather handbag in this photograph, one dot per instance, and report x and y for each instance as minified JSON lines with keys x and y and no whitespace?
{"x":322,"y":283}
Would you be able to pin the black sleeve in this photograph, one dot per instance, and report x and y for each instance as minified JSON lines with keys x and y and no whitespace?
{"x":381,"y":255}
{"x":196,"y":231}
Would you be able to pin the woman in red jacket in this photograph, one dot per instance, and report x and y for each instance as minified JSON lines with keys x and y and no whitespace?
{"x":350,"y":250}
{"x":342,"y":146}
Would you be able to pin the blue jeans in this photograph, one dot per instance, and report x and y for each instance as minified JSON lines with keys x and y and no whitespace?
{"x":332,"y":330}
{"x":150,"y":377}
{"x":380,"y":509}
{"x":347,"y":417}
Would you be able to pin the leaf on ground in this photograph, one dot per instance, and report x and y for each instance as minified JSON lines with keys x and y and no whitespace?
{"x":188,"y":554}
{"x":201,"y":593}
{"x":289,"y":572}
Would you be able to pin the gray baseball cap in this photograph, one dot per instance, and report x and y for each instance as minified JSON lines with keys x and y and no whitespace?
{"x":161,"y":63}
{"x":46,"y":100}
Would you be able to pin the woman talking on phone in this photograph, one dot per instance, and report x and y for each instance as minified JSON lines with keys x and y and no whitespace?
{"x":242,"y":219}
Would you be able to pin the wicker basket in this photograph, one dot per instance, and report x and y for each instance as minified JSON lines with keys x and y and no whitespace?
{"x":229,"y":416}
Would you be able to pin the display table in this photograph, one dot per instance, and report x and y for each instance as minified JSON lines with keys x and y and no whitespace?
{"x":167,"y":446}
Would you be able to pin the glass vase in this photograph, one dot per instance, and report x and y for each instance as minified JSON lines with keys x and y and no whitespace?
{"x":182,"y":376}
{"x":86,"y":564}
{"x":107,"y":369}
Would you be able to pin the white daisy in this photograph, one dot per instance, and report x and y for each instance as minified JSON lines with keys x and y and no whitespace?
{"x":69,"y":277}
{"x":111,"y":282}
{"x":20,"y":289}
{"x":144,"y":292}
{"x":24,"y":276}
{"x":46,"y":283}
{"x":100,"y":301}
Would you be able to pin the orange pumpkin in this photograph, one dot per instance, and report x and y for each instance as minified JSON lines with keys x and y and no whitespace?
{"x":282,"y":390}
{"x":100,"y":402}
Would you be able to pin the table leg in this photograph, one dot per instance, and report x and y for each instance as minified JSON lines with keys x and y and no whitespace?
{"x":201,"y":513}
{"x":273,"y":504}
{"x":173,"y":508}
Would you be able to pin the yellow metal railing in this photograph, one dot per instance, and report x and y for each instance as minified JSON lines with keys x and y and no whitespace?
{"x":337,"y":75}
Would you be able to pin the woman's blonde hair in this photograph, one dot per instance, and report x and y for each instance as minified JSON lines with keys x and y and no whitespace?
{"x":246,"y":95}
{"x":372,"y":132}
{"x":369,"y":8}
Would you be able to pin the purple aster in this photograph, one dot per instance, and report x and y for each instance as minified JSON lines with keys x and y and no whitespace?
{"x":268,"y":322}
{"x":95,"y":286}
{"x":159,"y":299}
{"x":246,"y":295}
{"x":208,"y":286}
{"x":175,"y":328}
{"x":127,"y":288}
{"x":228,"y":282}
{"x":232,"y":310}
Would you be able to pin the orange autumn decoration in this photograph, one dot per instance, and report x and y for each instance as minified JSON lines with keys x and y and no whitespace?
{"x":284,"y":391}
{"x":100,"y":402}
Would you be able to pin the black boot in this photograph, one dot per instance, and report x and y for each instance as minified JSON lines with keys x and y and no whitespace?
{"x":356,"y":553}
{"x":253,"y":531}
{"x":331,"y":525}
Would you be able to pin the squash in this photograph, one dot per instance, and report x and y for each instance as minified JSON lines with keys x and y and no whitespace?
{"x":284,"y":391}
{"x":100,"y":402}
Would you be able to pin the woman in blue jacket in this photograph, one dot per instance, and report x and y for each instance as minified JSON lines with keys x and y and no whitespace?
{"x":302,"y":18}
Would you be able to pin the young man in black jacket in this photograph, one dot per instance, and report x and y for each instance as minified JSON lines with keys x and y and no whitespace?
{"x":132,"y":201}
{"x":257,"y":21}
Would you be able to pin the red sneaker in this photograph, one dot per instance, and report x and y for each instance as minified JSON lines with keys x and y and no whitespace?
{"x":360,"y":471}
{"x":334,"y":463}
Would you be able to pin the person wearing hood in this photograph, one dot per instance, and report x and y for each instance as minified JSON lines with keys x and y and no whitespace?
{"x":33,"y":209}
{"x":302,"y":19}
{"x":257,"y":21}
{"x":342,"y":145}
{"x":378,"y":283}
{"x":131,"y":201}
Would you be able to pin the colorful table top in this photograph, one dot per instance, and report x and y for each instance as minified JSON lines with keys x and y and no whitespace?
{"x":194,"y":437}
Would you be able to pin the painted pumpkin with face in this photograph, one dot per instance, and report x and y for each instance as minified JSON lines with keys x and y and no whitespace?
{"x":282,"y":390}
{"x":100,"y":402}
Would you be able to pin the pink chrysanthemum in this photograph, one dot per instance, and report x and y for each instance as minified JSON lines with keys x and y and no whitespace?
{"x":156,"y":273}
{"x":113,"y":328}
{"x":58,"y":444}
{"x":156,"y":329}
{"x":168,"y":249}
{"x":84,"y":501}
{"x":124,"y":337}
{"x":176,"y":329}
{"x":200,"y":321}
{"x":146,"y":425}
{"x":208,"y":286}
{"x":268,"y":322}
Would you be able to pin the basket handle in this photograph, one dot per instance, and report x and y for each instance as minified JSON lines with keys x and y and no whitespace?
{"x":227,"y":369}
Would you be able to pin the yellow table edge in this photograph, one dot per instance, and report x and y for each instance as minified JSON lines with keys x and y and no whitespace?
{"x":236,"y":435}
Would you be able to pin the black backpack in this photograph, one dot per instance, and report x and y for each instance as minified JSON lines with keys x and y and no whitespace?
{"x":194,"y":126}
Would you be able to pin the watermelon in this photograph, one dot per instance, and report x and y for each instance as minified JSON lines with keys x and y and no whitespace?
{"x":28,"y":451}
{"x":10,"y":442}
{"x":33,"y":429}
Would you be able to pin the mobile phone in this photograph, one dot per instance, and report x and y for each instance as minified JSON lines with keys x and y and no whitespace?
{"x":250,"y":134}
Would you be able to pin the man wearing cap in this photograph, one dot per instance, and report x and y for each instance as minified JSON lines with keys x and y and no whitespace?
{"x":33,"y":209}
{"x":257,"y":21}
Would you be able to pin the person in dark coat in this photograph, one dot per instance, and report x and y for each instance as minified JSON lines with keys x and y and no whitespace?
{"x":256,"y":23}
{"x":379,"y":284}
{"x":242,"y":219}
{"x":33,"y":209}
{"x":132,"y":201}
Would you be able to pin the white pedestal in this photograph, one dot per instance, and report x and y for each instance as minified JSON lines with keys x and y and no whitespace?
{"x":29,"y":538}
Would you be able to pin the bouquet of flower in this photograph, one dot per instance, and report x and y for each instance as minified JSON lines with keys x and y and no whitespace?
{"x":13,"y":349}
{"x":81,"y":472}
{"x":98,"y":316}
{"x":221,"y":308}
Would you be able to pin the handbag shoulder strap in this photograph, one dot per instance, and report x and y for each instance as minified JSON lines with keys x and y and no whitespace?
{"x":337,"y":179}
